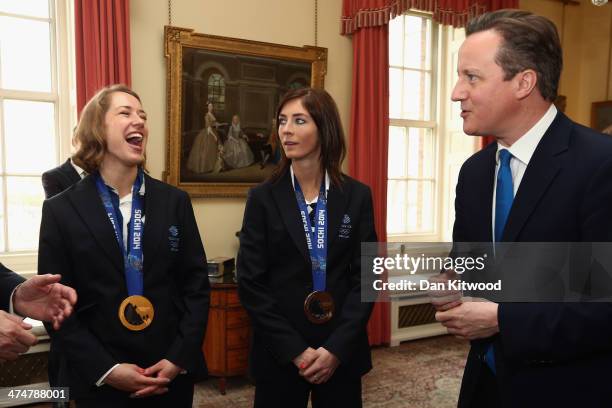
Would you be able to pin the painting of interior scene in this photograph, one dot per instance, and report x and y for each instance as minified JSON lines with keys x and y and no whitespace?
{"x":601,"y":116}
{"x":229,"y":131}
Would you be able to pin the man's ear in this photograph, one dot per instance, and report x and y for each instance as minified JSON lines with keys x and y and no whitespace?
{"x":526,"y":82}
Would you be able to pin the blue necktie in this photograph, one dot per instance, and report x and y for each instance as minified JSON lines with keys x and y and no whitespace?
{"x":504,"y":195}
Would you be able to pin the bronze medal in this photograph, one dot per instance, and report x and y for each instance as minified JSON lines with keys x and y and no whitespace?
{"x":319,"y":307}
{"x":136,"y":312}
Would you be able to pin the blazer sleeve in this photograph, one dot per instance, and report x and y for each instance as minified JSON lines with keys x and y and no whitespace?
{"x":8,"y":282}
{"x":195,"y":291}
{"x":83,"y":349}
{"x":355,"y":313}
{"x":565,"y":331}
{"x":283,"y":341}
{"x":458,"y":227}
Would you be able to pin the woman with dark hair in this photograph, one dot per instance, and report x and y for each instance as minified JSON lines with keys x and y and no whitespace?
{"x":130,"y":246}
{"x":299,"y":265}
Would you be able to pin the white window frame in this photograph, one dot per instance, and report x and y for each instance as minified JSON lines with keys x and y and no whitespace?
{"x":432,"y":124}
{"x":63,"y":95}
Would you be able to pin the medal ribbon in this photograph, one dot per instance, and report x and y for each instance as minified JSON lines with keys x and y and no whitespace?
{"x":318,"y":251}
{"x":132,"y":253}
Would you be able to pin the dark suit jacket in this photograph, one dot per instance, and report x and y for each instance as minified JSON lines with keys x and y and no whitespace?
{"x":274,"y":278}
{"x":86,"y":253}
{"x":8,"y":282}
{"x":58,"y":179}
{"x":55,"y":181}
{"x":547,"y":354}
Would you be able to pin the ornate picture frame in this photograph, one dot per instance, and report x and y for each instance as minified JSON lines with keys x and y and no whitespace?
{"x":601,"y":115}
{"x":221,"y":96}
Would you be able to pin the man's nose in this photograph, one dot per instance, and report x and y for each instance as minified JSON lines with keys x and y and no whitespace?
{"x":458,"y":93}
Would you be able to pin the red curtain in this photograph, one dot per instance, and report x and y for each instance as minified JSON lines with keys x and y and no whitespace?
{"x":369,"y":140}
{"x":102,"y":40}
{"x":358,"y":14}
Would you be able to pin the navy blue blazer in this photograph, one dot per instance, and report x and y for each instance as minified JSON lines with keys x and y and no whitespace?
{"x":58,"y":179}
{"x":78,"y":241}
{"x":8,"y":282}
{"x":275,"y":277}
{"x":547,"y":354}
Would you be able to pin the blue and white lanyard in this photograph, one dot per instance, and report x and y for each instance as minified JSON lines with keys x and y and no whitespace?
{"x":132,"y":253}
{"x":318,"y":252}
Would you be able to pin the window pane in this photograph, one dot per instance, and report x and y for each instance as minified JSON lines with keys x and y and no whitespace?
{"x":420,"y":158}
{"x":33,"y":8}
{"x":396,"y":216}
{"x":410,"y":207}
{"x":411,"y":153}
{"x":425,"y":206}
{"x":216,"y":91}
{"x":25,"y":54}
{"x":417,"y":42}
{"x":417,"y":98}
{"x":2,"y":219}
{"x":398,"y":146}
{"x":25,"y":197}
{"x":29,"y":136}
{"x":396,"y":28}
{"x":1,"y":161}
{"x":395,"y":93}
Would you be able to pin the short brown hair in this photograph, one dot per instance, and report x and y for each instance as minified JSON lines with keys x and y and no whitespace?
{"x":91,"y":131}
{"x":529,"y":42}
{"x":323,"y":110}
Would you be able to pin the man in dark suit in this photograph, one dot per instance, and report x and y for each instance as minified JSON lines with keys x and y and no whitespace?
{"x":40,"y":297}
{"x":58,"y":179}
{"x":55,"y":181}
{"x":547,"y":179}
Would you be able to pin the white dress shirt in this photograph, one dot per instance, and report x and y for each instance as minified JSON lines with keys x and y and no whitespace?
{"x":314,"y":200}
{"x":521,"y":151}
{"x":82,"y":173}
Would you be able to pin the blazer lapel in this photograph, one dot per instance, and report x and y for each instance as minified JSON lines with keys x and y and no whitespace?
{"x":69,"y":173}
{"x":88,"y":205}
{"x":541,"y":171}
{"x":155,"y":221}
{"x":284,"y":196}
{"x":483,"y":200}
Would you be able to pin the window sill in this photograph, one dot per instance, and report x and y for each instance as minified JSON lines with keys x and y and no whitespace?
{"x":414,"y":238}
{"x":23,"y":263}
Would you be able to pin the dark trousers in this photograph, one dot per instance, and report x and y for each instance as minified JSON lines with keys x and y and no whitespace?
{"x":179,"y":395}
{"x":487,"y":394}
{"x":293,"y":391}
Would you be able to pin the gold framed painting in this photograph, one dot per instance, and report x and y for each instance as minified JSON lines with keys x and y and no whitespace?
{"x":221,"y":99}
{"x":601,"y":116}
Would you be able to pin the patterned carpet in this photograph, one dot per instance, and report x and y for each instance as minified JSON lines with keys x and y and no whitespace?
{"x":417,"y":374}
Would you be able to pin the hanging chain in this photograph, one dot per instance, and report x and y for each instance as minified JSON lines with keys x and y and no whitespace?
{"x":316,"y":22}
{"x":169,"y":12}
